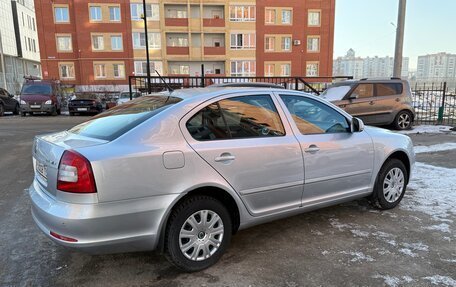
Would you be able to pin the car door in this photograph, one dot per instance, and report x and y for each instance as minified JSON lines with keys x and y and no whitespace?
{"x":388,"y":100}
{"x":244,"y":138}
{"x":338,"y":163}
{"x":360,"y":102}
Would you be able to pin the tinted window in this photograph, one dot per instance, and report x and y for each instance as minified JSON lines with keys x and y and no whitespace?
{"x":28,"y":89}
{"x":238,"y":117}
{"x":364,"y":91}
{"x":120,"y":119}
{"x":314,"y":117}
{"x":388,"y":89}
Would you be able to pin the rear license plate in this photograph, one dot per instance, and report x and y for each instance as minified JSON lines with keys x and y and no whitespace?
{"x":82,"y":109}
{"x":41,"y":169}
{"x":35,"y":106}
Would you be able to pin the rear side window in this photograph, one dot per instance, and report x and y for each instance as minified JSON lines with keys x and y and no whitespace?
{"x":388,"y":89}
{"x":120,"y":119}
{"x":238,"y":117}
{"x":364,"y":91}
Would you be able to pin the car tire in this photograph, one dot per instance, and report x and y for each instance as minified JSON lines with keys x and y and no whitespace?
{"x":54,"y":111}
{"x":2,"y":110}
{"x":209,"y":239}
{"x":23,"y":114}
{"x":403,"y":120}
{"x":390,"y":185}
{"x":59,"y":112}
{"x":17,"y":110}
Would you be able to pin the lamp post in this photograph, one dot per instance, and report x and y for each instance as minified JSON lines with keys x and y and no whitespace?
{"x":397,"y":71}
{"x":144,"y":16}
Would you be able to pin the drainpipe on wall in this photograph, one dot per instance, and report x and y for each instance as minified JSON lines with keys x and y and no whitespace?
{"x":2,"y":58}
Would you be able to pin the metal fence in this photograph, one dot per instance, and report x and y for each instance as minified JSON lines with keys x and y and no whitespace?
{"x":432,"y":102}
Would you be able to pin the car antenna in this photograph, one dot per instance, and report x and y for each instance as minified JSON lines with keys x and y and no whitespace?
{"x":170,"y":90}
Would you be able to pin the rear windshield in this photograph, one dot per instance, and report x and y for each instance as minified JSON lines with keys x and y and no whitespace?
{"x":120,"y":119}
{"x":28,"y":89}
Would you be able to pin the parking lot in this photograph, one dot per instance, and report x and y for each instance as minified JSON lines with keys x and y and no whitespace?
{"x":351,"y":244}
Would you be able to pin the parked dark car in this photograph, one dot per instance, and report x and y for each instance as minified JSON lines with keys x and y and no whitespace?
{"x":84,"y":104}
{"x":40,"y":96}
{"x":8,"y":103}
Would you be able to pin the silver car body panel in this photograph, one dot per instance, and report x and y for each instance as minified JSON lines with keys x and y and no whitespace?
{"x":142,"y":174}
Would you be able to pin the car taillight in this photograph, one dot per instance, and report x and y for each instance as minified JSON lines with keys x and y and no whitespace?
{"x":75,"y":174}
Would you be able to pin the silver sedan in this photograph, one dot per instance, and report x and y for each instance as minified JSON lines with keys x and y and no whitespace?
{"x":183,"y":171}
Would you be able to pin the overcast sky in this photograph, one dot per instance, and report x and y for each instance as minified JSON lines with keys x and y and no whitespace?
{"x":365,"y":26}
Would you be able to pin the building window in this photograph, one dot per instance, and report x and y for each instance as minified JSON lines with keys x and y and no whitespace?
{"x":180,"y":69}
{"x":313,"y":18}
{"x":152,"y":11}
{"x":141,"y":67}
{"x":178,"y":41}
{"x":66,"y":71}
{"x":269,"y":44}
{"x":97,"y":42}
{"x":270,"y":16}
{"x":312,"y":69}
{"x":139,"y":40}
{"x":286,"y":16}
{"x":95,"y":13}
{"x":154,"y":40}
{"x":64,"y":43}
{"x":242,"y":13}
{"x":116,"y":43}
{"x":242,"y":41}
{"x":179,"y":13}
{"x":243,"y":68}
{"x":269,"y":70}
{"x":114,"y":13}
{"x":118,"y":71}
{"x":100,"y":71}
{"x":285,"y":70}
{"x":313,"y":44}
{"x":286,"y":44}
{"x":61,"y":15}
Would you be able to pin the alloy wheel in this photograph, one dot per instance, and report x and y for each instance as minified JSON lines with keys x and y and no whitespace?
{"x":404,"y":120}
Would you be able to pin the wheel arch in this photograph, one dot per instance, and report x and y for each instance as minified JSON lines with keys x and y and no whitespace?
{"x":403,"y":157}
{"x":224,"y":196}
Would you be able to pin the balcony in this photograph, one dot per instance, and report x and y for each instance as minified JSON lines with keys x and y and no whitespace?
{"x":214,"y":22}
{"x":183,"y":51}
{"x":176,"y":22}
{"x":214,"y":51}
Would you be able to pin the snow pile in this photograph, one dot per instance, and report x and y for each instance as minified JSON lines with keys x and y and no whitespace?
{"x":432,"y":191}
{"x":427,"y":129}
{"x":358,"y":256}
{"x":441,"y":280}
{"x":392,"y":281}
{"x":435,"y":148}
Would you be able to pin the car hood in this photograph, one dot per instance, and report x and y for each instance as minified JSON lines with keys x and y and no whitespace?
{"x":35,"y":98}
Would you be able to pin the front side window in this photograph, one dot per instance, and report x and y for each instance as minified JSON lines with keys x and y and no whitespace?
{"x":364,"y":91}
{"x":269,"y":44}
{"x":66,"y":71}
{"x":285,"y":70}
{"x":237,"y":118}
{"x":314,"y":117}
{"x":141,"y":67}
{"x":269,"y":70}
{"x":242,"y":13}
{"x":119,"y":71}
{"x":242,"y":41}
{"x":95,"y":13}
{"x":61,"y":15}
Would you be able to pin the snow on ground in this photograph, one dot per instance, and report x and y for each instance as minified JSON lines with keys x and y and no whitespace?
{"x":435,"y":148}
{"x":392,"y":281}
{"x":358,"y":256}
{"x":441,"y":280}
{"x":432,"y":191}
{"x":427,"y":129}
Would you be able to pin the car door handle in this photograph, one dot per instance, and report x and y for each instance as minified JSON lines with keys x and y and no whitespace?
{"x":312,"y":148}
{"x":371,"y":103}
{"x":225,"y":157}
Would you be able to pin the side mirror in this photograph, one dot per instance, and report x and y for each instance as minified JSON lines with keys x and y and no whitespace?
{"x":357,"y":125}
{"x":353,"y":97}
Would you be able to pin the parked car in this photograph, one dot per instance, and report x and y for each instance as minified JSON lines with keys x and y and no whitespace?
{"x":84,"y":104}
{"x":125,"y":97}
{"x":8,"y":103}
{"x":40,"y":96}
{"x":375,"y":101}
{"x":183,"y":171}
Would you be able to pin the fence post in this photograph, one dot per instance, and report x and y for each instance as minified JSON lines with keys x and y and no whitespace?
{"x":203,"y":84}
{"x":129,"y":87}
{"x":296,"y":84}
{"x":442,"y":105}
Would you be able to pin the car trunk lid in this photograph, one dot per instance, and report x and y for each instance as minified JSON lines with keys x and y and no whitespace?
{"x":47,"y":152}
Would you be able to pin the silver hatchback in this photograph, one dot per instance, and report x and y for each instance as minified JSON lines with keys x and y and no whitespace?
{"x":183,"y":171}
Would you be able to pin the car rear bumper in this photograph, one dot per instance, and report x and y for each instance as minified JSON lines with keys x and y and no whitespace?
{"x":90,"y":109}
{"x":112,"y":227}
{"x":40,"y":108}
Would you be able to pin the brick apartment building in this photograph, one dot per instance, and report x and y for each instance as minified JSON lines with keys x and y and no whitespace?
{"x":98,"y":44}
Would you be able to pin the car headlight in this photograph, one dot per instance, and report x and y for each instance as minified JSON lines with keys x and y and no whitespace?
{"x":48,"y":102}
{"x":23,"y":102}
